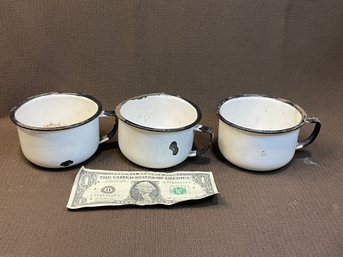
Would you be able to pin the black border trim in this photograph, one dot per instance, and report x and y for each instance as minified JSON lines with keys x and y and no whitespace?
{"x":16,"y":122}
{"x":279,"y":131}
{"x":120,"y":117}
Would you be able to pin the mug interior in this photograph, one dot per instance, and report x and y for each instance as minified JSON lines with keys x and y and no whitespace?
{"x":259,"y":113}
{"x":53,"y":111}
{"x":159,"y":112}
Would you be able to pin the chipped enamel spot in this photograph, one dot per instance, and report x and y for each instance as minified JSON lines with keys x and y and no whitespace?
{"x":66,"y":163}
{"x":174,"y":148}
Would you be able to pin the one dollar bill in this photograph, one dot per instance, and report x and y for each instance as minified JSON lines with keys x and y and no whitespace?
{"x":93,"y":188}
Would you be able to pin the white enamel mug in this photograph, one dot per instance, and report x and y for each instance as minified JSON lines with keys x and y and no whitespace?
{"x":58,"y":130}
{"x":261,"y":133}
{"x":157,"y":130}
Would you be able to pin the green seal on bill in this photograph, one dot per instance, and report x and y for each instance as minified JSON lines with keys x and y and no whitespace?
{"x":178,"y":190}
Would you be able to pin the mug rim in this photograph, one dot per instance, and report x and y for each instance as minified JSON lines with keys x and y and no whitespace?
{"x":263,"y":131}
{"x":78,"y":124}
{"x":131,"y":123}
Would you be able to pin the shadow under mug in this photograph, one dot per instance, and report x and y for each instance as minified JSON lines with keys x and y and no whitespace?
{"x":260,"y":133}
{"x":58,"y":130}
{"x":157,"y":130}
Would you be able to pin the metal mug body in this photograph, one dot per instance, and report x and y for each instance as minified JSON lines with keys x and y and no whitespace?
{"x":154,"y":149}
{"x":61,"y":148}
{"x":58,"y":130}
{"x":255,"y":151}
{"x":157,"y":130}
{"x":260,"y":133}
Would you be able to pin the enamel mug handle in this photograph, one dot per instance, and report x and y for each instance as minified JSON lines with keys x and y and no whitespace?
{"x":313,"y":135}
{"x":210,"y":133}
{"x":106,"y":114}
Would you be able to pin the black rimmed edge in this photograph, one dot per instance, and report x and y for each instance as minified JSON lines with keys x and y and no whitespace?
{"x":120,"y":117}
{"x":18,"y":123}
{"x":297,"y":107}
